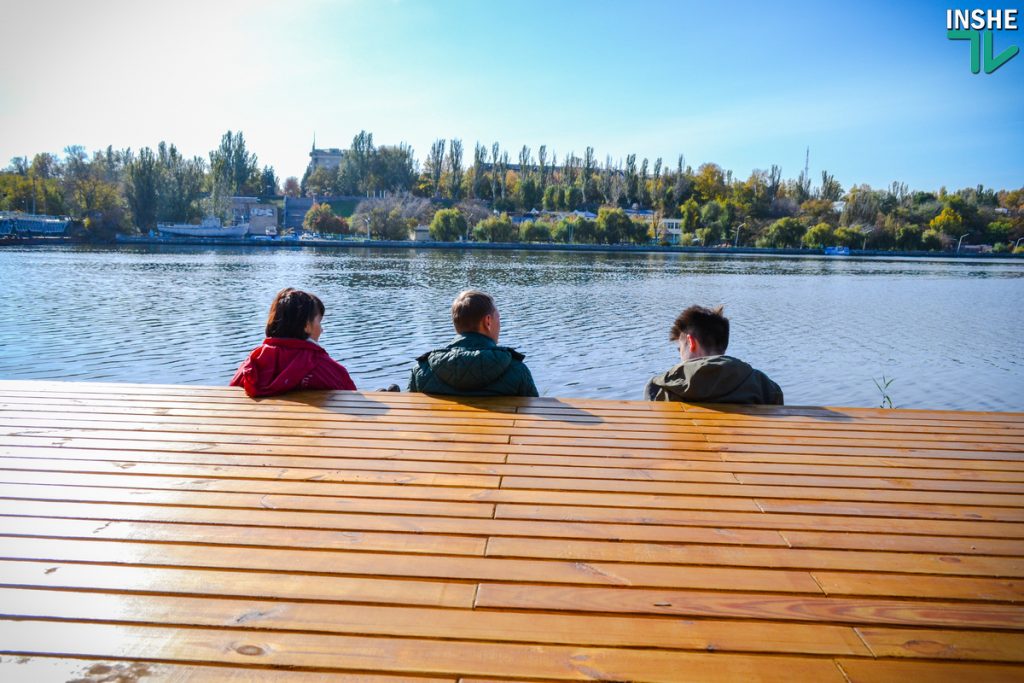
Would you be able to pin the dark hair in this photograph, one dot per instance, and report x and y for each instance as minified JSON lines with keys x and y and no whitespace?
{"x":291,"y":311}
{"x":469,"y":309}
{"x":707,"y":325}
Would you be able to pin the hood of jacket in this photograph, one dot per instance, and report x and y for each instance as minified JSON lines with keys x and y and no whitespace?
{"x":471,"y":361}
{"x":712,"y":379}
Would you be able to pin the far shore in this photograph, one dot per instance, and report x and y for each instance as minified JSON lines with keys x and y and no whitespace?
{"x":501,"y":246}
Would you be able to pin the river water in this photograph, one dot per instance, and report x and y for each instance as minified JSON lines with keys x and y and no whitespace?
{"x":949,"y":334}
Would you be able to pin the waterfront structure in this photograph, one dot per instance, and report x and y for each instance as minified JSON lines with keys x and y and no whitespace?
{"x":26,"y":225}
{"x":526,"y":539}
{"x":261,"y":217}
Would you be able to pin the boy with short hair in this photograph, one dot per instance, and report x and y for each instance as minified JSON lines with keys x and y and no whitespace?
{"x":706,"y":374}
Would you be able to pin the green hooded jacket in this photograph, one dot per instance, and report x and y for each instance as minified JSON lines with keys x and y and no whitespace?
{"x":473,"y":365}
{"x":714,"y":379}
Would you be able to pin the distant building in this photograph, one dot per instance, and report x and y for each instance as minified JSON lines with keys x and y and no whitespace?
{"x":262,"y":218}
{"x":329,"y":157}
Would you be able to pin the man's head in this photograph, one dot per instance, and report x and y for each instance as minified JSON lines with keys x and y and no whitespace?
{"x":474,"y":311}
{"x":700,"y":332}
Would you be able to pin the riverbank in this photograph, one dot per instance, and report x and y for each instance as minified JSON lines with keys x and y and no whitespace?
{"x":504,"y":246}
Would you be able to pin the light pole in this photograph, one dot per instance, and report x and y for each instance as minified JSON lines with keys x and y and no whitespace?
{"x":1017,"y":243}
{"x":736,"y":243}
{"x":366,"y":220}
{"x":959,"y":241}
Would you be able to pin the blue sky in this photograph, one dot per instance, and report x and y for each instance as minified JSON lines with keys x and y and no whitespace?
{"x":874,"y":89}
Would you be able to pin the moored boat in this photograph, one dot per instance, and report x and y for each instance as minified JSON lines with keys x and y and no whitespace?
{"x":210,"y":227}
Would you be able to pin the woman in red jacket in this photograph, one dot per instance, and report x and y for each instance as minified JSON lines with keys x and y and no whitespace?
{"x":290,"y":358}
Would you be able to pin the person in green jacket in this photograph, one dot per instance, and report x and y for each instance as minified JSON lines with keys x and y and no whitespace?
{"x":706,"y":374}
{"x":473,"y":364}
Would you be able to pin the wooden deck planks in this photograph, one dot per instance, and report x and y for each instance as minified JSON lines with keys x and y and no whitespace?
{"x":192,"y":533}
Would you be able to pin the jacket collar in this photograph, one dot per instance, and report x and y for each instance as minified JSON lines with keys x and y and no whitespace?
{"x":290,"y":343}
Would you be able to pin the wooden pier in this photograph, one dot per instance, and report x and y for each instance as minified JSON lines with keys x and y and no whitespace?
{"x":158,"y":532}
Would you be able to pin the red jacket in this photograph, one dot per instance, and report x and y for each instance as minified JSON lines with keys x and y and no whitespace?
{"x":280,"y":364}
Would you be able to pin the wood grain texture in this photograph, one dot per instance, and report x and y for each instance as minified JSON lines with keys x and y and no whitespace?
{"x":190,"y":533}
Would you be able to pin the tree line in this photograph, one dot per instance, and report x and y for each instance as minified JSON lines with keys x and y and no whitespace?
{"x":119,"y":190}
{"x":709,"y":204}
{"x":114,"y":191}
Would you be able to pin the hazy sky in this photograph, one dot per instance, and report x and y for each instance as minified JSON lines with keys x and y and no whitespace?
{"x":875,"y":90}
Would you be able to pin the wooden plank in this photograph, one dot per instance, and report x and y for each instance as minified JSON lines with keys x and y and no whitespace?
{"x":421,"y":477}
{"x":885,"y":671}
{"x":962,"y":470}
{"x":887,"y":449}
{"x":881,"y":483}
{"x":768,"y":443}
{"x":905,"y":510}
{"x":967,"y":525}
{"x":964,"y":460}
{"x":720,"y":605}
{"x":17,"y":668}
{"x":561,"y":629}
{"x":779,"y":558}
{"x":990,"y":646}
{"x":19,"y":495}
{"x":221,"y":433}
{"x":234,"y":535}
{"x":84,"y":438}
{"x":266,"y":585}
{"x":942,"y":498}
{"x":418,"y":566}
{"x":401,"y":655}
{"x":386,"y":484}
{"x":325,"y":469}
{"x":369,"y":489}
{"x":265,"y":421}
{"x":936,"y":587}
{"x":482,"y":463}
{"x":904,"y":543}
{"x":281,"y":415}
{"x":302,"y":512}
{"x":711,"y":410}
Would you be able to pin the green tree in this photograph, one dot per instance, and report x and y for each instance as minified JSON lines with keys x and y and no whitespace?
{"x":533,"y":231}
{"x":143,"y":187}
{"x":573,"y":198}
{"x":690,"y":216}
{"x":709,"y":182}
{"x":783,"y":233}
{"x":613,"y":225}
{"x":455,"y":171}
{"x":496,"y":229}
{"x":321,"y":219}
{"x":851,"y":237}
{"x":233,"y":169}
{"x":387,"y":225}
{"x":448,"y":225}
{"x":820,"y":235}
{"x":948,"y":221}
{"x":268,"y":183}
{"x":551,"y":202}
{"x":999,"y":231}
{"x":908,"y":237}
{"x":181,"y":185}
{"x":933,"y":240}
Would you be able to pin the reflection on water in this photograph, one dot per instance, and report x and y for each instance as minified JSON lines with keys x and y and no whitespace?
{"x":591,"y":324}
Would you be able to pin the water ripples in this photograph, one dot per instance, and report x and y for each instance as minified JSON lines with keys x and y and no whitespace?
{"x":948,"y":333}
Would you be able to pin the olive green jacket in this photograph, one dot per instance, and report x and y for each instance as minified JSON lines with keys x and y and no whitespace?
{"x":714,"y":379}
